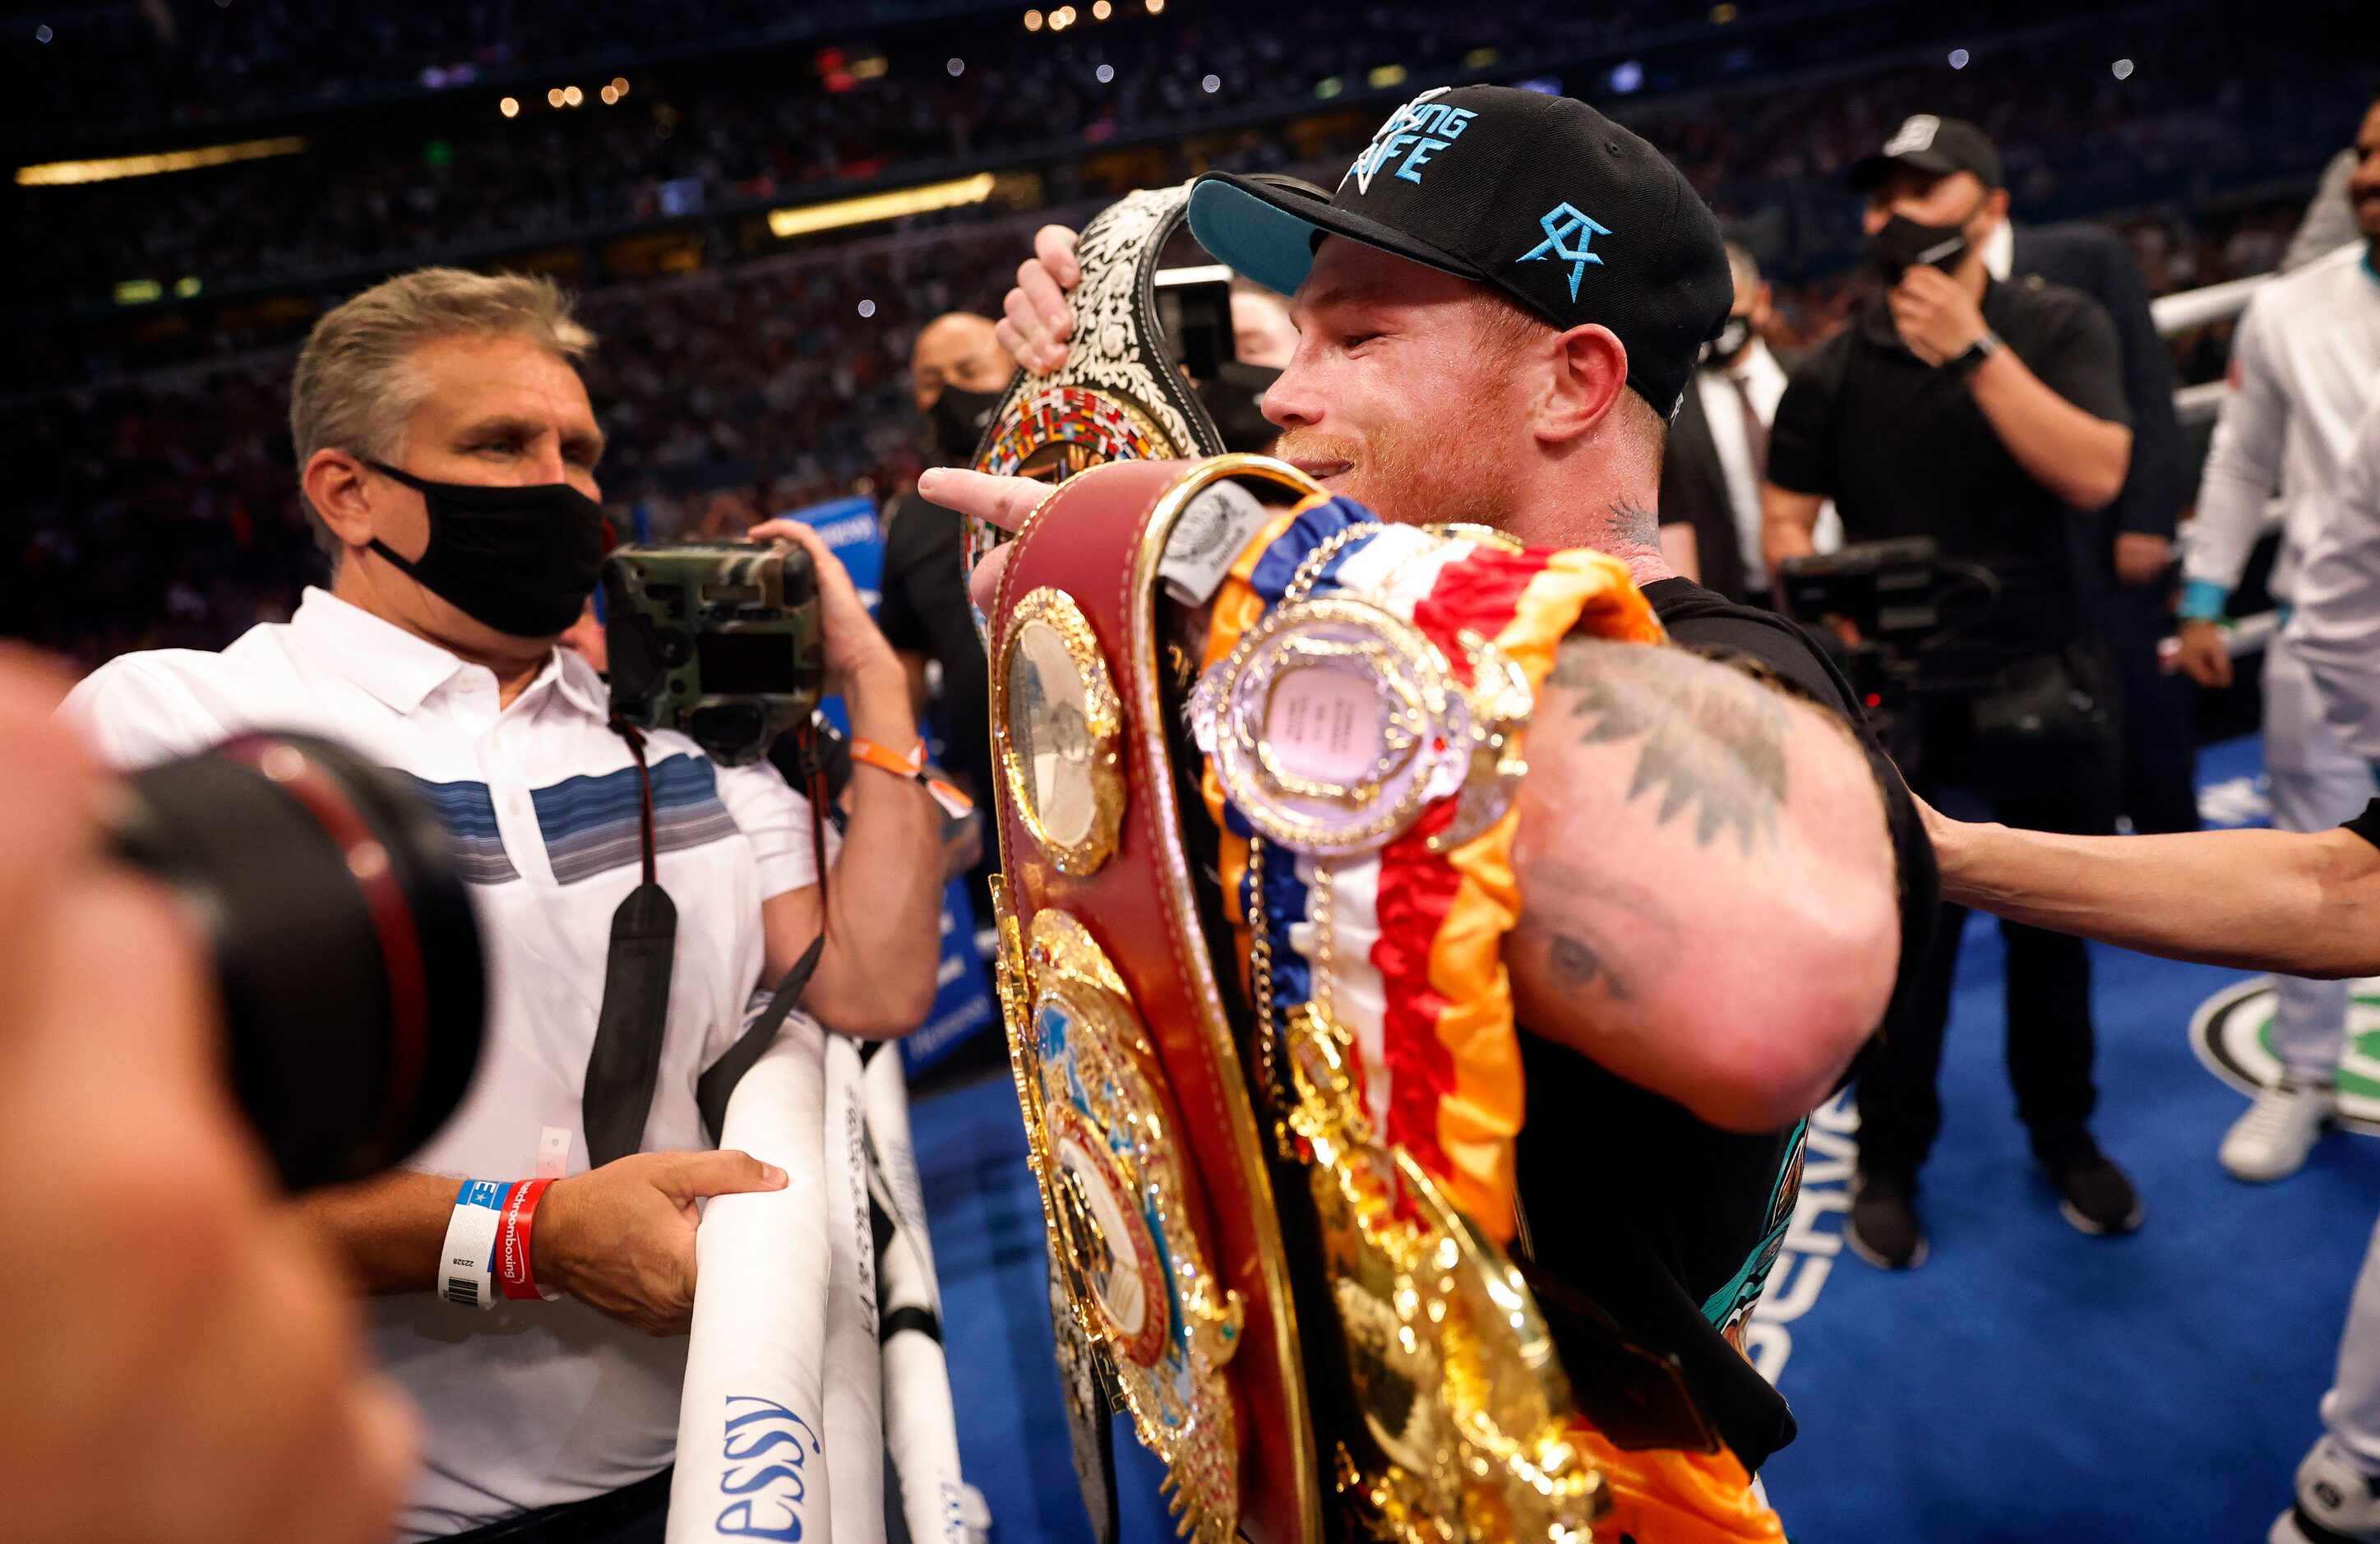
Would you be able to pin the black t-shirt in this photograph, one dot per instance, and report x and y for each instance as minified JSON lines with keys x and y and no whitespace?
{"x":924,"y":609}
{"x":2367,"y":825}
{"x":1667,"y":1224}
{"x":1903,"y":450}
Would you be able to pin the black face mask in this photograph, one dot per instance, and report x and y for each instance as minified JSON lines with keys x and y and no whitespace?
{"x":521,"y":560}
{"x":957,"y":419}
{"x":1234,"y":399}
{"x":1733,"y":340}
{"x":1903,"y":244}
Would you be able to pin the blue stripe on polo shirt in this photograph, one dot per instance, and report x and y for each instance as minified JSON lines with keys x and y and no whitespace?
{"x":468,"y":813}
{"x":591,"y":825}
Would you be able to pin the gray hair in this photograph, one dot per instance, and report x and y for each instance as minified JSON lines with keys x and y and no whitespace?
{"x":355,"y":388}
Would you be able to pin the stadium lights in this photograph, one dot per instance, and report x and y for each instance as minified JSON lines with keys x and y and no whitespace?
{"x":2122,"y":69}
{"x":785,"y":223}
{"x":51,"y":174}
{"x":1101,"y":10}
{"x":1723,"y":13}
{"x":1959,"y":57}
{"x":1329,"y":87}
{"x":553,"y":97}
{"x":1032,"y":21}
{"x":1480,"y":58}
{"x":1386,"y":76}
{"x":619,"y":86}
{"x":1156,"y":8}
{"x":573,"y":96}
{"x":138,"y":292}
{"x":509,"y":107}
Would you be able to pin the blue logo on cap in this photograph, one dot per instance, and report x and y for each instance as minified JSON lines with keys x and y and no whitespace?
{"x":1563,"y":226}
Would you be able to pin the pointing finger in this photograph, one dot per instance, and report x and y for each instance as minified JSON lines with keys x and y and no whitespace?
{"x":1004,"y":501}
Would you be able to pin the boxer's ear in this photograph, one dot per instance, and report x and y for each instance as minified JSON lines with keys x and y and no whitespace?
{"x":1587,"y":374}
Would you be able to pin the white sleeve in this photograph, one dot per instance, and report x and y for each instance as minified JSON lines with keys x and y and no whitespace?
{"x":2337,"y":625}
{"x":2243,"y":464}
{"x":134,"y":714}
{"x":776,"y":821}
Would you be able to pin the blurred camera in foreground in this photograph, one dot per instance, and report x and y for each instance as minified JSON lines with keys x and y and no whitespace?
{"x":345,"y":950}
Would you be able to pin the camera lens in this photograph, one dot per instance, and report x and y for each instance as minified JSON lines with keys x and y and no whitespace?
{"x":347,"y":955}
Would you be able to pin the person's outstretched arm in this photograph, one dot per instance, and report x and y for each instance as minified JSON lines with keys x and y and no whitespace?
{"x":2303,"y":904}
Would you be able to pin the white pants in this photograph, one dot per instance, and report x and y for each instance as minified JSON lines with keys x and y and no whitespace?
{"x":2351,"y":1409}
{"x":2316,"y":785}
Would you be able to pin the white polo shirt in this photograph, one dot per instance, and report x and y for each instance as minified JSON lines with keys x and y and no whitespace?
{"x":534,"y":1403}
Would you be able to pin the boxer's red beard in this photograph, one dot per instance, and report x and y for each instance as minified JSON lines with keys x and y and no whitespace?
{"x":1412,"y":475}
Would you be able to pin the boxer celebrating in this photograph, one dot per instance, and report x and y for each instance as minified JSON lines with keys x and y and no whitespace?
{"x":1497,"y":311}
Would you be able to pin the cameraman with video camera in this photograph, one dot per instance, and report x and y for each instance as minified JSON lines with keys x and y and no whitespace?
{"x":1981,"y":416}
{"x":633,"y":892}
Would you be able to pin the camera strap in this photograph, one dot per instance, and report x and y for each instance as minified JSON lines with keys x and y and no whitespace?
{"x":626,"y":1058}
{"x":625,"y":1065}
{"x":718,"y":1079}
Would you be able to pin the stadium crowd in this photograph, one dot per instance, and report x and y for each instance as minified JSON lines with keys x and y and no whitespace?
{"x":762,"y":386}
{"x":2213,"y":99}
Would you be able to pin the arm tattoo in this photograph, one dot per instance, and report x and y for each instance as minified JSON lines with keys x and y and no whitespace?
{"x":1598,"y":926}
{"x":1712,"y":739}
{"x":1577,"y":966}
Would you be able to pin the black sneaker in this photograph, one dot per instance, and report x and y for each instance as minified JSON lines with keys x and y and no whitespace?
{"x":1883,"y":1228}
{"x":2098,"y":1199}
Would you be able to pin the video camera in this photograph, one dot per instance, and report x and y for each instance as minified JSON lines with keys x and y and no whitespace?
{"x":1890,"y":614}
{"x":720,"y":640}
{"x":346,"y":954}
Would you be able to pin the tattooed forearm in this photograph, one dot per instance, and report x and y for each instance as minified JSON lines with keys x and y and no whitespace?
{"x":1713,"y":739}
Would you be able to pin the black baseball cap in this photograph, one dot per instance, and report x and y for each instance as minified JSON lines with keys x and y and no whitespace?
{"x":1936,"y":146}
{"x":1541,"y":196}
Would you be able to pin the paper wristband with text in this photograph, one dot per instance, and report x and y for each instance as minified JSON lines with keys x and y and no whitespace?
{"x":513,"y":1241}
{"x":467,"y":1265}
{"x":955,"y":803}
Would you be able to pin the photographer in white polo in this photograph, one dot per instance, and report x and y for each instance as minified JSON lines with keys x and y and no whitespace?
{"x":446,"y":451}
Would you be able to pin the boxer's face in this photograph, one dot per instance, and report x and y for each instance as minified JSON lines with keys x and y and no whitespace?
{"x":1401,"y":394}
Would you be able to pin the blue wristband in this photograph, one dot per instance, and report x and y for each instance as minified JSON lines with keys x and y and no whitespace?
{"x":2202,"y":600}
{"x":466,"y":1264}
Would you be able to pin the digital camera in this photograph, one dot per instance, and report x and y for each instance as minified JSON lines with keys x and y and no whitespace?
{"x":720,"y":640}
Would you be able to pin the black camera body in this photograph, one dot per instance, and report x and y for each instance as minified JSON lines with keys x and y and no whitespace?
{"x":720,"y":640}
{"x":1874,"y":607}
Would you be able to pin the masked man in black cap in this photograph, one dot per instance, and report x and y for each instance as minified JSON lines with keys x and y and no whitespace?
{"x":1498,"y":309}
{"x":1984,"y":416}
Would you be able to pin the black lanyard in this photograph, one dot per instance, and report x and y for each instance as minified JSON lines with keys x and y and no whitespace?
{"x":625,"y":1064}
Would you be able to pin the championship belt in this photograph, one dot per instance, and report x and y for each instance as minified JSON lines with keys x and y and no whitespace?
{"x":1259,"y":754}
{"x":1120,"y":395}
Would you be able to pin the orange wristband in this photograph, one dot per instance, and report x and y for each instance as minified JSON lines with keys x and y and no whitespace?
{"x":913,"y":767}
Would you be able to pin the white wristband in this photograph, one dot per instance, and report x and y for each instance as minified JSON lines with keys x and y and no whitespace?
{"x":467,"y":1265}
